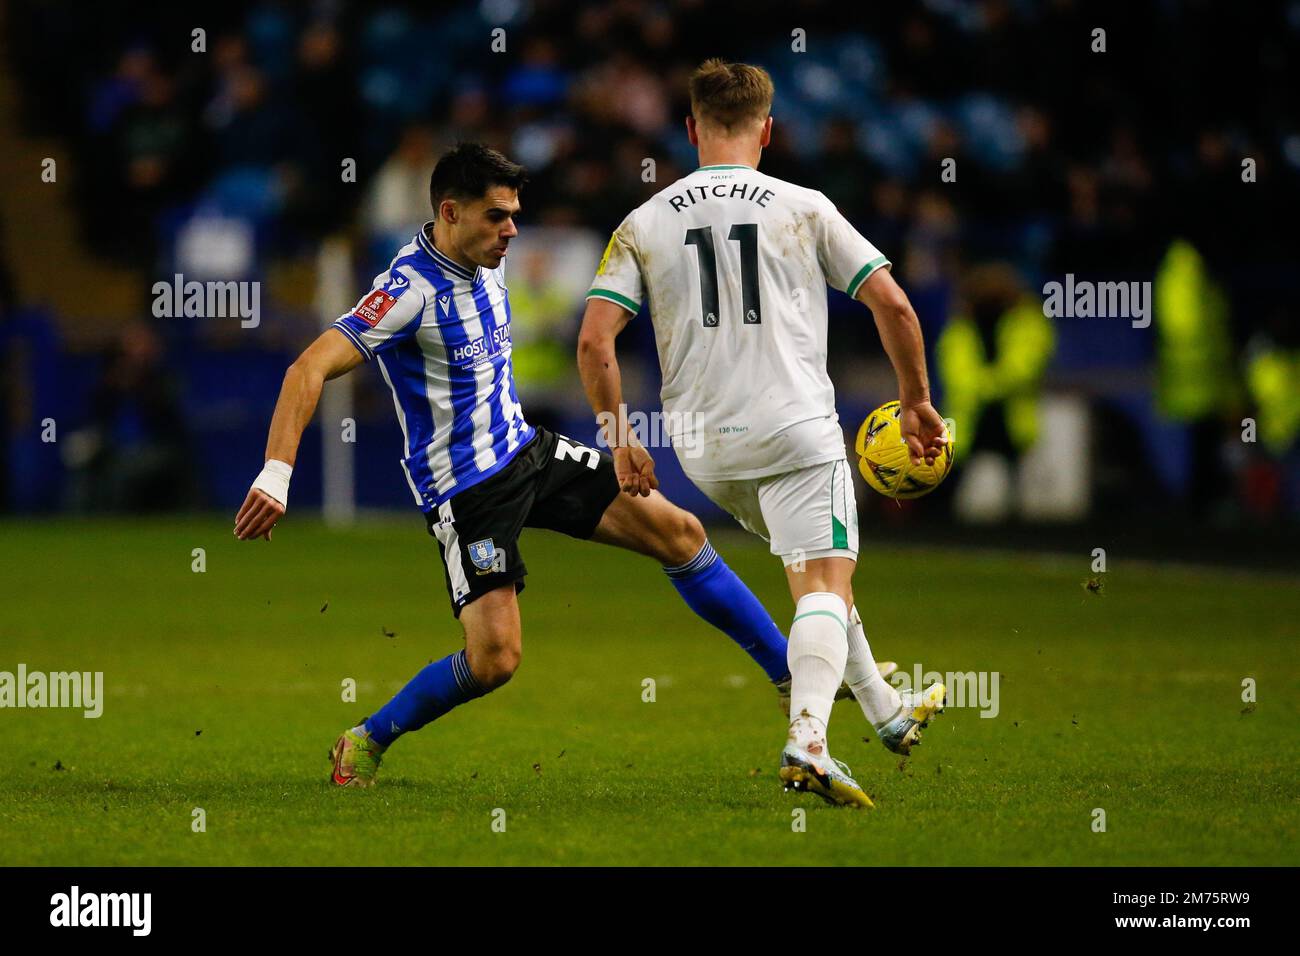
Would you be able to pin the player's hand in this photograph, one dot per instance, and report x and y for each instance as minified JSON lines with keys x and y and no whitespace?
{"x":635,"y":470}
{"x":257,"y":516}
{"x":923,"y":430}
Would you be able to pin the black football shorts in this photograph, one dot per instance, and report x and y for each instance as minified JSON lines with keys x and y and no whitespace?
{"x":553,"y":482}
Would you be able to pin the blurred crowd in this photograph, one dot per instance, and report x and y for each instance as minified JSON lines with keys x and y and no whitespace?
{"x":1075,"y":152}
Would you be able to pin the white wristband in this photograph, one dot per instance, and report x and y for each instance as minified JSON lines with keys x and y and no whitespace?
{"x":274,"y":480}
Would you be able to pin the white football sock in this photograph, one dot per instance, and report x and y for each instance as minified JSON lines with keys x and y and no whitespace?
{"x":879,"y":700}
{"x":816,"y":655}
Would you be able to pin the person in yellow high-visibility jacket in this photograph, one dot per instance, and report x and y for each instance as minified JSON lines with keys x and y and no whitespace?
{"x":1194,"y":353}
{"x":994,"y":357}
{"x":1273,"y":377}
{"x":1197,"y":383}
{"x":543,"y":326}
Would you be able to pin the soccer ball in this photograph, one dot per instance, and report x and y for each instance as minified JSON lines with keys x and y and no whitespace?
{"x":885,"y":462}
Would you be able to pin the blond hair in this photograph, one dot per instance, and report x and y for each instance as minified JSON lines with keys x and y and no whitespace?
{"x":730,"y":95}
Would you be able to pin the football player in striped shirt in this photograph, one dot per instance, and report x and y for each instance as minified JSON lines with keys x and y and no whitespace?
{"x":437,"y":323}
{"x":733,"y":265}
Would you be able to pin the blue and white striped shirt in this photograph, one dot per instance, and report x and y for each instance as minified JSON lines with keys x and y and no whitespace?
{"x":442,"y":337}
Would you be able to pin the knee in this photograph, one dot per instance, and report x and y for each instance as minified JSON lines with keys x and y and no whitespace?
{"x":685,"y":539}
{"x":494,"y":664}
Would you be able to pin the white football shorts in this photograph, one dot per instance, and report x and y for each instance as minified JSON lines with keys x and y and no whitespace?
{"x":805,"y":514}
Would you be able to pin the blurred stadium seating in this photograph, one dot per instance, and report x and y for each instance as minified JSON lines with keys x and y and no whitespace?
{"x":228,"y":162}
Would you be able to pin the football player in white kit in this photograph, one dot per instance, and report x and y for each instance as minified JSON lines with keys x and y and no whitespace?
{"x":733,"y":265}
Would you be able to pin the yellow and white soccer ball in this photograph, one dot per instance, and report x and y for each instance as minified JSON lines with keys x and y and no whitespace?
{"x":885,"y":462}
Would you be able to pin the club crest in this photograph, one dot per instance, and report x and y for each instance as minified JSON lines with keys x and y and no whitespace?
{"x":483,"y":554}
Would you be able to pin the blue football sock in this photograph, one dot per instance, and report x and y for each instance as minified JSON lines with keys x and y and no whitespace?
{"x":713,"y":591}
{"x":427,"y":696}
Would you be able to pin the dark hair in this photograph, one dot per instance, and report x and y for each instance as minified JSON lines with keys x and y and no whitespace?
{"x":469,"y":170}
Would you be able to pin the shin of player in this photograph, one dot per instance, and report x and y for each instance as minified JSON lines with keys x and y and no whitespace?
{"x":817,"y":654}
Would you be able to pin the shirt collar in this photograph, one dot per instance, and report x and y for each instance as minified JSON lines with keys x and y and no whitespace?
{"x":445,"y":263}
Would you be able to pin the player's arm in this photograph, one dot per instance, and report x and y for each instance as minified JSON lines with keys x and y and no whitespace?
{"x":900,"y":332}
{"x":614,"y":300}
{"x":598,"y":366}
{"x":330,"y":356}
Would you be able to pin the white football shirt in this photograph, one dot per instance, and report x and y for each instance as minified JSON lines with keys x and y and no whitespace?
{"x":733,"y":265}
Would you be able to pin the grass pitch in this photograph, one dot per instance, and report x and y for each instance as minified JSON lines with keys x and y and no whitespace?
{"x":223,"y":691}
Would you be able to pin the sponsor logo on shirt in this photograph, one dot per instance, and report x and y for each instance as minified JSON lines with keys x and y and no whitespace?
{"x":485,"y":346}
